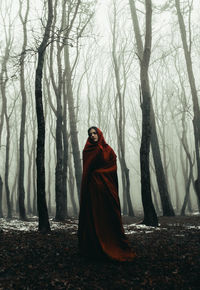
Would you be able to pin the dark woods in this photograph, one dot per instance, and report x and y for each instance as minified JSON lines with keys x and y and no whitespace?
{"x":63,"y":72}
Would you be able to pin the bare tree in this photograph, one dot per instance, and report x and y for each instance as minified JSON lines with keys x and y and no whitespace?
{"x":161,"y":180}
{"x":21,"y":190}
{"x":61,"y":196}
{"x":120,"y":122}
{"x":5,"y":114}
{"x":150,"y":217}
{"x":41,"y":198}
{"x":196,"y":110}
{"x":82,"y":22}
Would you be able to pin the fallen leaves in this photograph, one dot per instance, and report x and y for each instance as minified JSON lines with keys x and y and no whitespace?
{"x":167,"y":258}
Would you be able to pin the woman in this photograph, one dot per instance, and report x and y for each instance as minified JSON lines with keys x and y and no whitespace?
{"x":100,"y":230}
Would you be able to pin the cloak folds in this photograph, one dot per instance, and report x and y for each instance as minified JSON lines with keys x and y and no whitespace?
{"x":100,"y":230}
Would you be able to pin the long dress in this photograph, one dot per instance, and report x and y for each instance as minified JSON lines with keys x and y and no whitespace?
{"x":100,"y":230}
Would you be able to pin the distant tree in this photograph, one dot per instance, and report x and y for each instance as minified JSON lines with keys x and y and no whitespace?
{"x":120,"y":121}
{"x":4,"y":78}
{"x":196,"y":110}
{"x":41,"y":198}
{"x":78,"y":19}
{"x":71,"y":183}
{"x":61,"y":195}
{"x":188,"y":162}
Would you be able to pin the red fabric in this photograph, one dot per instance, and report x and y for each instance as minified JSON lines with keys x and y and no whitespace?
{"x":100,"y":229}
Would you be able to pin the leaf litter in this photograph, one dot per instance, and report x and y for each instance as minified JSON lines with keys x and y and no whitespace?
{"x":168,"y":257}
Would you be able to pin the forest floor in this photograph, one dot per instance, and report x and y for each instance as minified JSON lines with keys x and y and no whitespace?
{"x":168,"y":257}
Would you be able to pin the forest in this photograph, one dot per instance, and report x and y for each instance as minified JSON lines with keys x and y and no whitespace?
{"x":129,"y":68}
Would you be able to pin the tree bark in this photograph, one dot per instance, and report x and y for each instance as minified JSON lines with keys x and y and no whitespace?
{"x":71,"y":186}
{"x":150,"y":217}
{"x":21,"y":190}
{"x":35,"y":212}
{"x":1,"y":190}
{"x":9,"y":208}
{"x":41,"y":198}
{"x":30,"y":152}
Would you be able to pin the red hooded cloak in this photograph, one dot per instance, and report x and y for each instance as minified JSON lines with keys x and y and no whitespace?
{"x":100,"y":230}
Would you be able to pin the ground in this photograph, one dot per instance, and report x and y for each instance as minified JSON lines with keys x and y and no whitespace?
{"x":168,"y":257}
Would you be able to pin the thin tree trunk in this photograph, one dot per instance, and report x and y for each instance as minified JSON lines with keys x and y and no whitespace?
{"x":4,"y":113}
{"x":21,"y":190}
{"x":196,"y":110}
{"x":60,"y":200}
{"x":187,"y":193}
{"x":35,"y":212}
{"x":29,"y":209}
{"x":160,"y":175}
{"x":9,"y":209}
{"x":1,"y":190}
{"x":150,"y":217}
{"x":41,"y":198}
{"x":61,"y":207}
{"x":71,"y":187}
{"x":65,"y":150}
{"x":155,"y":199}
{"x":73,"y":123}
{"x":120,"y":128}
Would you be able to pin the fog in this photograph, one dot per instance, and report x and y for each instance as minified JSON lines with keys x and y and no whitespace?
{"x":101,"y":30}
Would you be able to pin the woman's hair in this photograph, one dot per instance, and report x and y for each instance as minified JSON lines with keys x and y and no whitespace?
{"x":93,"y":127}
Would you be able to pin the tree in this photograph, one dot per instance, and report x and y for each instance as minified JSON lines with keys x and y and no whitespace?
{"x":5,"y":111}
{"x":61,"y":195}
{"x":71,"y":106}
{"x":120,"y":122}
{"x":196,"y":110}
{"x":21,"y":190}
{"x":150,"y":217}
{"x":160,"y":176}
{"x":41,"y":198}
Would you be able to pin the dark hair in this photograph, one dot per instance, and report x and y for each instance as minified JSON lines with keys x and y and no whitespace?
{"x":93,"y":127}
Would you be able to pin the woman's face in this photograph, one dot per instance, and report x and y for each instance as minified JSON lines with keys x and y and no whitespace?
{"x":93,"y":135}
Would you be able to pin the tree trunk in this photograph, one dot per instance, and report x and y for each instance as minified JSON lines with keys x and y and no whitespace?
{"x":9,"y":209}
{"x":196,"y":119}
{"x":120,"y":128}
{"x":73,"y":123}
{"x":65,"y":152}
{"x":35,"y":212}
{"x":61,"y":208}
{"x":160,"y":176}
{"x":1,"y":190}
{"x":21,"y":190}
{"x":155,"y":199}
{"x":150,"y":217}
{"x":41,"y":198}
{"x":29,"y":208}
{"x":60,"y":200}
{"x":71,"y":187}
